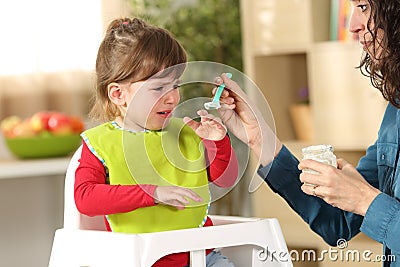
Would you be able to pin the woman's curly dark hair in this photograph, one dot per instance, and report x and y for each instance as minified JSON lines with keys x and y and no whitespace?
{"x":383,"y":65}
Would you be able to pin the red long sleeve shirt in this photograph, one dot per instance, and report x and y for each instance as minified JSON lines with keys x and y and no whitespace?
{"x":94,"y":197}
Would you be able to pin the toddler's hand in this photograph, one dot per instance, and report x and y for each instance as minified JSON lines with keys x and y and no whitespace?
{"x":209,"y":127}
{"x":174,"y":196}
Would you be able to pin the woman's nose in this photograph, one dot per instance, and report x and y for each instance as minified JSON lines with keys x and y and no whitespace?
{"x":357,"y":24}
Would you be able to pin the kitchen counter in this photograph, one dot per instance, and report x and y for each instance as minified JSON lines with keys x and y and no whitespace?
{"x":12,"y":167}
{"x":17,"y":168}
{"x":31,"y":206}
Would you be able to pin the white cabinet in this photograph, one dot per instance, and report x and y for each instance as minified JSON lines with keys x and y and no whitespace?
{"x":347,"y":109}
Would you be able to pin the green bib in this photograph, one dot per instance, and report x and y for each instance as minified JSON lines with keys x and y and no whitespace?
{"x":174,"y":156}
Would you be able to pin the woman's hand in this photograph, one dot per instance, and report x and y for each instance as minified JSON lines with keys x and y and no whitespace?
{"x":342,"y":187}
{"x":236,"y":112}
{"x":175,"y":196}
{"x":209,"y":127}
{"x":245,"y":121}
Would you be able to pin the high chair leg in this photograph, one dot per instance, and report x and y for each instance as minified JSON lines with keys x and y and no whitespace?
{"x":198,"y":258}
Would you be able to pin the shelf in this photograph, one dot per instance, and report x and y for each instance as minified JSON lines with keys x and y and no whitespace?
{"x":279,"y":77}
{"x":280,"y":50}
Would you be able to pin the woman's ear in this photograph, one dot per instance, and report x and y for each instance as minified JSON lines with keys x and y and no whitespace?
{"x":116,"y":94}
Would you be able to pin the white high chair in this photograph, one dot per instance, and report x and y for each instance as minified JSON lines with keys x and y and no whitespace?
{"x":84,"y":241}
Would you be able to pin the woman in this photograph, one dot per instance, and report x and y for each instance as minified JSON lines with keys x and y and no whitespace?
{"x":340,"y":202}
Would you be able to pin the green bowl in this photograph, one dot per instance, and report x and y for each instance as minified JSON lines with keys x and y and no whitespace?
{"x":43,"y":146}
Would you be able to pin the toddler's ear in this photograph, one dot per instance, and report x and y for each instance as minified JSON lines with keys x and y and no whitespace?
{"x":115,"y":94}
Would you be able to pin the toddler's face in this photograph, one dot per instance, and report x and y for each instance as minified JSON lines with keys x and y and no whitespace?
{"x":151,"y":103}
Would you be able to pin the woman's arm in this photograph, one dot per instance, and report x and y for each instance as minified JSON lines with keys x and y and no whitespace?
{"x":329,"y":222}
{"x":94,"y":197}
{"x":382,"y":221}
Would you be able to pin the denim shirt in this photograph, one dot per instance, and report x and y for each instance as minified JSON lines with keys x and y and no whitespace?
{"x":379,"y":167}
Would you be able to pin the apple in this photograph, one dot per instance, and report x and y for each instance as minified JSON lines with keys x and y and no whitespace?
{"x":60,"y":124}
{"x":8,"y":124}
{"x":39,"y":121}
{"x":22,"y":129}
{"x":43,"y":123}
{"x":76,"y":124}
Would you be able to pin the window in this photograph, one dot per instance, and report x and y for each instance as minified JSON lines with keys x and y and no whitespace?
{"x":49,"y":35}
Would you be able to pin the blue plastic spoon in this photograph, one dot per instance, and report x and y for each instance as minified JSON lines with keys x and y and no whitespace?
{"x":215,"y":104}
